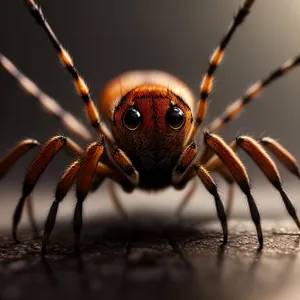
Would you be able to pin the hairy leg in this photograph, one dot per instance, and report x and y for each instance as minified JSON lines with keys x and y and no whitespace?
{"x":251,"y":93}
{"x":238,"y":171}
{"x":215,"y":61}
{"x":51,"y":106}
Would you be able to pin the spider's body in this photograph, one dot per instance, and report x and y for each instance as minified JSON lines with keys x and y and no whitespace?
{"x":154,"y":145}
{"x":151,"y":142}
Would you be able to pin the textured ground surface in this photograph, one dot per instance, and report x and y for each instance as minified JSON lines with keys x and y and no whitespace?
{"x":195,"y":267}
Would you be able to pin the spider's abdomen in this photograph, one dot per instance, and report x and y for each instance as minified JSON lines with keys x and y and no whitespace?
{"x":151,"y":124}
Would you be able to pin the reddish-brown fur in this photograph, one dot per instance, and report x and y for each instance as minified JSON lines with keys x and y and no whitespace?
{"x":154,"y":147}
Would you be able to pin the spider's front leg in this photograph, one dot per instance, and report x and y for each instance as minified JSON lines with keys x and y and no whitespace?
{"x":180,"y":178}
{"x":88,"y":171}
{"x":85,"y":177}
{"x":36,"y":168}
{"x":236,"y":170}
{"x":239,"y":173}
{"x":264,"y":162}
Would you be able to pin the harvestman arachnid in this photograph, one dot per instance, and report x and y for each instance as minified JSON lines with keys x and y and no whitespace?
{"x":146,"y":127}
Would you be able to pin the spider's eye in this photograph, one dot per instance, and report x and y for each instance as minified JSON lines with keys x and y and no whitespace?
{"x":175,"y":117}
{"x":132,"y":118}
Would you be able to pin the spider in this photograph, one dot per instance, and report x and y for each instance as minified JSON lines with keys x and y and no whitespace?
{"x":148,"y":137}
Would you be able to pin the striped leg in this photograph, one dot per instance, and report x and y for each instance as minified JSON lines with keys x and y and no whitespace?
{"x":213,"y":161}
{"x":215,"y":60}
{"x":125,"y":166}
{"x":183,"y":165}
{"x":85,"y":176}
{"x":62,"y":189}
{"x":211,"y":187}
{"x":36,"y":168}
{"x":238,"y":171}
{"x":15,"y":154}
{"x":266,"y":164}
{"x":80,"y":85}
{"x":88,"y":168}
{"x":214,"y":164}
{"x":101,"y":171}
{"x":41,"y":161}
{"x":181,"y":175}
{"x":7,"y":163}
{"x":282,"y":154}
{"x":51,"y":106}
{"x":227,"y":176}
{"x":236,"y":107}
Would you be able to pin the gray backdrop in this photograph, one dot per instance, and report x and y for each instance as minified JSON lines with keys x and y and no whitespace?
{"x":109,"y":37}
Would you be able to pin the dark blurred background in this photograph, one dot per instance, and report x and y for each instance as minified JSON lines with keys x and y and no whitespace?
{"x":107,"y":38}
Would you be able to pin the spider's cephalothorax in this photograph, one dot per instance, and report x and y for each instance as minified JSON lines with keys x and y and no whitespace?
{"x":150,"y":123}
{"x":148,"y":140}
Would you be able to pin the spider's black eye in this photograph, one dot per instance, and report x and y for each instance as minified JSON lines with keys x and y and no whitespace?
{"x":175,"y":117}
{"x":132,"y":118}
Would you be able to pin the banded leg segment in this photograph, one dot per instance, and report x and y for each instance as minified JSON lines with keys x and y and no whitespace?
{"x":211,"y":187}
{"x":227,"y":176}
{"x":79,"y":83}
{"x":236,"y":107}
{"x":15,"y":154}
{"x":7,"y":163}
{"x":184,"y":163}
{"x":51,"y":106}
{"x":266,"y":164}
{"x":213,"y":162}
{"x":36,"y":169}
{"x":84,"y":180}
{"x":215,"y":61}
{"x":238,"y":171}
{"x":179,"y":179}
{"x":282,"y":154}
{"x":62,"y":189}
{"x":84,"y":169}
{"x":126,"y":167}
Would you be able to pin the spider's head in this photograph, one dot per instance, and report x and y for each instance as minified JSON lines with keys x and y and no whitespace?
{"x":152,"y":120}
